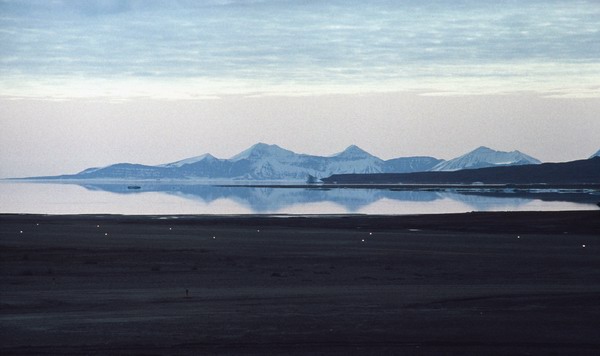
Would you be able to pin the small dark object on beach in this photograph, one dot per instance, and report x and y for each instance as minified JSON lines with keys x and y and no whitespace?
{"x":187,"y":293}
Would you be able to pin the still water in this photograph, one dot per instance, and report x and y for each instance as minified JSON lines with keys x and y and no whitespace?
{"x":166,"y":199}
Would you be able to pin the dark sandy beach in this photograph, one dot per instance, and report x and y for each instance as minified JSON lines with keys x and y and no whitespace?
{"x":479,"y":283}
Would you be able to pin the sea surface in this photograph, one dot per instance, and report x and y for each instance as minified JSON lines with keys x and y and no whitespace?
{"x":166,"y":199}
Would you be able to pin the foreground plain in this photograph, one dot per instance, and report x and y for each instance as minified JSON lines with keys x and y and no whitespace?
{"x":479,"y":283}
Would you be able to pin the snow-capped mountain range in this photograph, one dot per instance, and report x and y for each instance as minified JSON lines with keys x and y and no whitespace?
{"x":271,"y":162}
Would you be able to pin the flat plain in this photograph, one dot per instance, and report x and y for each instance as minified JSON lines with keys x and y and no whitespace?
{"x":477,"y":283}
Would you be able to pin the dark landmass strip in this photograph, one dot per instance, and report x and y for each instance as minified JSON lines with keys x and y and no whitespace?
{"x":464,"y":284}
{"x":575,"y":172}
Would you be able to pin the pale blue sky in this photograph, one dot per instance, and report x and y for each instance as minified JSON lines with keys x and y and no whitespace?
{"x":212,"y":67}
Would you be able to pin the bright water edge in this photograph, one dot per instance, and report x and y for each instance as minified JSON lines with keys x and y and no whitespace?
{"x":167,"y":199}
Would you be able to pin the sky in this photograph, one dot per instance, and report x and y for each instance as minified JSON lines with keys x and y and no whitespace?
{"x":91,"y":83}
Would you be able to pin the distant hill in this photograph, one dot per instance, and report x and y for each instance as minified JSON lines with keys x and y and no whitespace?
{"x":410,"y":164}
{"x":271,"y":162}
{"x":485,"y":157}
{"x":575,"y":172}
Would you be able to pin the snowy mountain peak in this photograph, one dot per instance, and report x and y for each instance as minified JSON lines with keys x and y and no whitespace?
{"x":485,"y":157}
{"x":353,"y":151}
{"x":597,"y":154}
{"x":183,"y":162}
{"x":261,"y":150}
{"x":482,"y":149}
{"x":488,"y":151}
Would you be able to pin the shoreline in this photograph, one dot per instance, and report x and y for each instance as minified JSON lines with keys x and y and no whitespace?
{"x":576,"y":221}
{"x":302,"y":184}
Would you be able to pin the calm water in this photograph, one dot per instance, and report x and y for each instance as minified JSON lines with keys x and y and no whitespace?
{"x":206,"y":199}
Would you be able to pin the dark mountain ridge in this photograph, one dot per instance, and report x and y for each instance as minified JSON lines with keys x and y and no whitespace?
{"x":575,"y":172}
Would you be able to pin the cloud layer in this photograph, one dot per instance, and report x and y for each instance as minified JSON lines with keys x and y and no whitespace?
{"x":183,"y":49}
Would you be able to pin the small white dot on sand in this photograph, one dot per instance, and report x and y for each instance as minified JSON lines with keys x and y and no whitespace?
{"x":583,"y":246}
{"x":97,"y":225}
{"x":214,"y":237}
{"x":37,"y":224}
{"x":370,"y":233}
{"x":170,"y":229}
{"x":257,"y":230}
{"x":106,"y":234}
{"x":20,"y":232}
{"x":518,"y":237}
{"x":363,"y":240}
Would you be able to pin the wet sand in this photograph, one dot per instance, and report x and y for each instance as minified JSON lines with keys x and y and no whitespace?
{"x":479,"y":283}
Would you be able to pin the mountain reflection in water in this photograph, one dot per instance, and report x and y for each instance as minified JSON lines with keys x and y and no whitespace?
{"x":352,"y":200}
